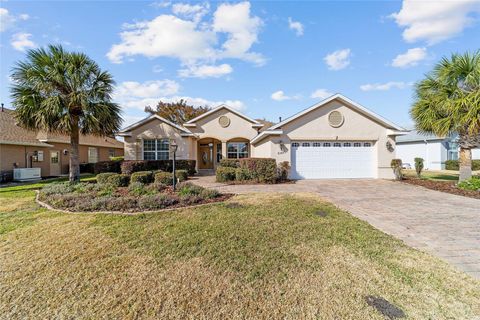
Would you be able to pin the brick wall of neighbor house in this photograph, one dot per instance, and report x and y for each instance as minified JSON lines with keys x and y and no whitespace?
{"x":10,"y":154}
{"x":103,"y":154}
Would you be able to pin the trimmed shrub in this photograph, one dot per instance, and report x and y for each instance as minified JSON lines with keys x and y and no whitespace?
{"x":181,"y":175}
{"x":137,"y":189}
{"x":225,"y":174}
{"x":131,"y":166}
{"x":57,"y":188}
{"x":455,"y":165}
{"x":282,"y":170}
{"x":158,"y":201}
{"x":107,"y":166}
{"x":144,"y":177}
{"x":156,"y":187}
{"x":471,"y":184}
{"x":87,"y":167}
{"x":165,"y":178}
{"x":396,"y":165}
{"x":102,"y":178}
{"x":190,"y":199}
{"x":119,"y":180}
{"x":262,"y":170}
{"x":189,"y":189}
{"x":230,"y":163}
{"x":209,"y":194}
{"x":118,"y":158}
{"x":452,"y":165}
{"x":242,"y":174}
{"x":418,"y":166}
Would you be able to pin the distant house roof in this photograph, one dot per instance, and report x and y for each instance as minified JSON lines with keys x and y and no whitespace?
{"x":11,"y":133}
{"x":415,"y":136}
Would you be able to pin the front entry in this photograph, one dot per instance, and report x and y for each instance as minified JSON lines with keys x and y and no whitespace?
{"x":54,"y":163}
{"x":205,"y":152}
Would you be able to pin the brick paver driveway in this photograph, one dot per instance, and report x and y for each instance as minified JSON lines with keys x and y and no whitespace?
{"x":443,"y":224}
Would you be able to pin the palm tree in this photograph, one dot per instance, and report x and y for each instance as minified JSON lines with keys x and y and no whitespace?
{"x":64,"y":92}
{"x":447,"y":102}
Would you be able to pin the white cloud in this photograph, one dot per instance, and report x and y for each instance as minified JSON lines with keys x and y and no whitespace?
{"x":281,"y":96}
{"x":435,"y":21}
{"x":242,"y":31}
{"x":7,"y":20}
{"x":135,"y":95}
{"x":410,"y":58}
{"x":21,"y":41}
{"x":205,"y":71}
{"x":338,"y":60}
{"x":167,"y":36}
{"x":195,"y":42}
{"x":147,"y":89}
{"x":384,"y":86}
{"x":195,"y":12}
{"x":296,"y":26}
{"x":321,"y":94}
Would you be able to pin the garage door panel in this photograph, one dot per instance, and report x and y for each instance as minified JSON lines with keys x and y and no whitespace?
{"x":332,"y":162}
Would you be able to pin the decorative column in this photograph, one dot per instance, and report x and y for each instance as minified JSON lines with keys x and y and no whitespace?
{"x":224,"y":149}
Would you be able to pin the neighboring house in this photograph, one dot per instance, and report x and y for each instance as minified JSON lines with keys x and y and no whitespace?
{"x":336,"y":138}
{"x":432,"y":149}
{"x":21,"y":148}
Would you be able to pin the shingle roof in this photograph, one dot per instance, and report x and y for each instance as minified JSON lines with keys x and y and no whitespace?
{"x":10,"y":133}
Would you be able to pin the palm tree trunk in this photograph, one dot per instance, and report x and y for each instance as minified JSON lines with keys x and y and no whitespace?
{"x":465,"y":164}
{"x":74,"y":162}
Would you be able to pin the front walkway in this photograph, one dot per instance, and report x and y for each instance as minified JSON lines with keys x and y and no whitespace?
{"x":445,"y":225}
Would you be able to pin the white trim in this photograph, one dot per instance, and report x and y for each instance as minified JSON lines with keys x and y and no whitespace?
{"x":126,"y":130}
{"x":191,"y":123}
{"x":396,"y":133}
{"x":353,"y":104}
{"x":264,"y":134}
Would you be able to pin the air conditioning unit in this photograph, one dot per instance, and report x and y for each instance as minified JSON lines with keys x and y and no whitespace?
{"x":27,"y":174}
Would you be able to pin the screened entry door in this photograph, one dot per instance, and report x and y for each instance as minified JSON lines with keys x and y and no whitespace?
{"x":206,"y":157}
{"x":332,"y":160}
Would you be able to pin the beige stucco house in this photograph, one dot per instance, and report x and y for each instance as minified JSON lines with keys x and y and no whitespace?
{"x":336,"y":138}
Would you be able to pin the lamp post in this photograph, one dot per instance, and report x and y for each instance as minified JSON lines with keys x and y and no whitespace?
{"x":173,"y":148}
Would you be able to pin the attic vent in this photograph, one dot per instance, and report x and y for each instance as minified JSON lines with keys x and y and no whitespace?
{"x":335,"y":118}
{"x":224,"y":121}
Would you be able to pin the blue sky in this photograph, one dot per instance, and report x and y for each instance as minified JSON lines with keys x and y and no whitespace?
{"x":267,"y":59}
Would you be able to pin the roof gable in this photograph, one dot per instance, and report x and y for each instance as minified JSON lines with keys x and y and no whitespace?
{"x":192,"y":122}
{"x":349,"y":103}
{"x":126,"y":131}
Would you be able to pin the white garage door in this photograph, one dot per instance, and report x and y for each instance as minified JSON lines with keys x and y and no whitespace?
{"x":332,"y":159}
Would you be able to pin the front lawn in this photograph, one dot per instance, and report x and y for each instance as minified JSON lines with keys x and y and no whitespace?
{"x":275,"y":257}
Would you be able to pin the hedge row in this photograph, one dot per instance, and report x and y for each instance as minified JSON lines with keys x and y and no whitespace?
{"x":454,"y":165}
{"x":131,"y":166}
{"x":262,"y":170}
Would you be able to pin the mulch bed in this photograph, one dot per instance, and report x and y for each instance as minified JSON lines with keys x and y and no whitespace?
{"x":442,"y":186}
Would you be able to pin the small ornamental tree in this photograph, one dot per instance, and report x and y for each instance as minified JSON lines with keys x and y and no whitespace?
{"x":418,"y":166}
{"x":396,"y":165}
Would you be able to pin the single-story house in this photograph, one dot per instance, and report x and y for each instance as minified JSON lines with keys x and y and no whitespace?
{"x":434,"y":150}
{"x":21,"y":148}
{"x":336,"y":138}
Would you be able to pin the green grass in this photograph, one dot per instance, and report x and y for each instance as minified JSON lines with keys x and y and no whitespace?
{"x":251,"y":257}
{"x":442,"y":175}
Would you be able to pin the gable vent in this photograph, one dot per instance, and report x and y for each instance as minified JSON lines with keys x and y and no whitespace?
{"x":335,"y":119}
